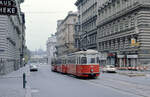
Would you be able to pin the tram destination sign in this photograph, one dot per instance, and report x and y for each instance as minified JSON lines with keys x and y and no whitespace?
{"x":8,"y":7}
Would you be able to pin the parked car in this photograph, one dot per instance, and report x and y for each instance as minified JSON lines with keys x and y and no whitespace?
{"x":109,"y":68}
{"x":33,"y":67}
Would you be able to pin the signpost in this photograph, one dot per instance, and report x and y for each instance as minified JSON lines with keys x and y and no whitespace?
{"x":8,"y":7}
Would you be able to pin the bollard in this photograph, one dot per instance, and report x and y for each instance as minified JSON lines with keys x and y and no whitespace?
{"x":24,"y":80}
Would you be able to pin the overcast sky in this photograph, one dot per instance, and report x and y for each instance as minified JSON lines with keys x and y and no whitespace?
{"x":41,"y":19}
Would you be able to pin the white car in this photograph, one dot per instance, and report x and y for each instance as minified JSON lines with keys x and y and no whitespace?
{"x":109,"y":68}
{"x":33,"y":67}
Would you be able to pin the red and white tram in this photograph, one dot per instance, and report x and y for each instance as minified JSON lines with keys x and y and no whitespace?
{"x":81,"y":64}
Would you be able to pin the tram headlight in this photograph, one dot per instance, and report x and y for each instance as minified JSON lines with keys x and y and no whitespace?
{"x":92,"y":70}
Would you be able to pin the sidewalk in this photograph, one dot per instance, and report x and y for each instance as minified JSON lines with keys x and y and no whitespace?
{"x":11,"y":84}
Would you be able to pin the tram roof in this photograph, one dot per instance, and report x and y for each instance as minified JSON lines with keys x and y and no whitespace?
{"x":90,"y":51}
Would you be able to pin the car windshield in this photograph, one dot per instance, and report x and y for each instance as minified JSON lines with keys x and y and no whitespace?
{"x":109,"y":66}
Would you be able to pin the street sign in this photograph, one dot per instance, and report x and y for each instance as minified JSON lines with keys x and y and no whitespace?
{"x":8,"y":10}
{"x":8,"y":7}
{"x":7,"y":3}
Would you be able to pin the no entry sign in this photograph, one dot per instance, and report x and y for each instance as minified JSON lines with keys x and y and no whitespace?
{"x":8,"y":7}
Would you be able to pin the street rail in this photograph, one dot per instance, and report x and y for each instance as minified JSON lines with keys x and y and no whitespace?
{"x":124,"y":86}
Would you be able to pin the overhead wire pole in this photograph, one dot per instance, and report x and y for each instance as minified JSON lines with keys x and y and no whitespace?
{"x":87,"y":39}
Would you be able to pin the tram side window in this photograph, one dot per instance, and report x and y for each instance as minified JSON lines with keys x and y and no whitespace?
{"x":69,"y":61}
{"x":59,"y":62}
{"x":79,"y":60}
{"x":73,"y":61}
{"x":83,"y":60}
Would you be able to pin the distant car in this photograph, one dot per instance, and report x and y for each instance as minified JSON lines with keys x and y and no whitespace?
{"x":109,"y":68}
{"x":33,"y":67}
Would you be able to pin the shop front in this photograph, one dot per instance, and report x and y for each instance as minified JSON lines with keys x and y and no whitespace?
{"x":132,"y":60}
{"x":121,"y":60}
{"x":127,"y":61}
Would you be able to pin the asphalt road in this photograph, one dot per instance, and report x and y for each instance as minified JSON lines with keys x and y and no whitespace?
{"x":45,"y":83}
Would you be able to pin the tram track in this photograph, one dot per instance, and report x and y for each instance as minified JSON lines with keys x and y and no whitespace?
{"x":127,"y":81}
{"x":142,"y":90}
{"x":123,"y":86}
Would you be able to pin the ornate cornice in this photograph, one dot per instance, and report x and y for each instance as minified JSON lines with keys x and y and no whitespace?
{"x":120,"y":13}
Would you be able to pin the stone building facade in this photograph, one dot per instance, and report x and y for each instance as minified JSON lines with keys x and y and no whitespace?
{"x":65,"y":33}
{"x":51,"y":48}
{"x":123,"y":37}
{"x":87,"y":16}
{"x":12,"y":40}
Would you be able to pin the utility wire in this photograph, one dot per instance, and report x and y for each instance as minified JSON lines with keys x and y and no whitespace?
{"x":38,"y":12}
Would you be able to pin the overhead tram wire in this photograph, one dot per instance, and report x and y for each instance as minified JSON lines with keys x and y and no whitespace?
{"x":38,"y":12}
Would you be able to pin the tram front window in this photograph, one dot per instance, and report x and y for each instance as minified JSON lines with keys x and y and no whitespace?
{"x":83,"y":60}
{"x":92,"y":60}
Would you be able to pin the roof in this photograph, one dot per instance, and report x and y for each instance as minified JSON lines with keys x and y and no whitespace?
{"x":90,"y":51}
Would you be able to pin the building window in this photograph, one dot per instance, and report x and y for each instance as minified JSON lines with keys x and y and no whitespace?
{"x":113,"y":28}
{"x":116,"y":27}
{"x":132,"y":22}
{"x":121,"y":26}
{"x":74,"y":20}
{"x":126,"y":23}
{"x":102,"y":45}
{"x":103,"y":32}
{"x":118,"y":5}
{"x":110,"y":44}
